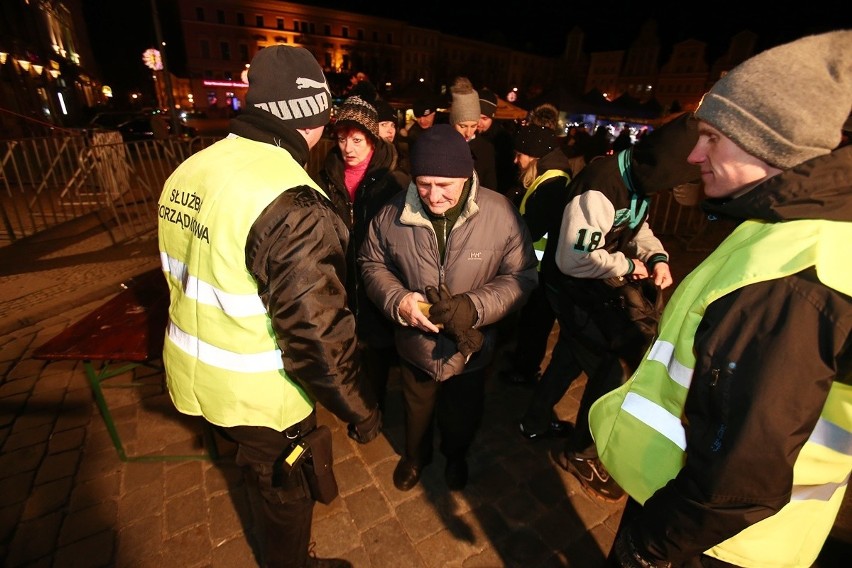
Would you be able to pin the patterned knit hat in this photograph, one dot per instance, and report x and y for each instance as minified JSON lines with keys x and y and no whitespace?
{"x":358,"y":113}
{"x":465,"y":105}
{"x":785,"y":127}
{"x":442,"y":152}
{"x":534,"y":140}
{"x":289,"y":83}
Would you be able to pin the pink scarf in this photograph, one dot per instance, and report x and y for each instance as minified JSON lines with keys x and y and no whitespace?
{"x":352,"y":175}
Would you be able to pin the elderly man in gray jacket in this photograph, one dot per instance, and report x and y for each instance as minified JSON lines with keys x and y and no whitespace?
{"x":445,"y":260}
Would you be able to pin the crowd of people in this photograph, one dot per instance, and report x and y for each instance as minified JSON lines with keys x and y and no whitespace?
{"x":725,"y":415}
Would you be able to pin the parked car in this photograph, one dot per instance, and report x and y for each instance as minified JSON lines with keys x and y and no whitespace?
{"x":132,"y":125}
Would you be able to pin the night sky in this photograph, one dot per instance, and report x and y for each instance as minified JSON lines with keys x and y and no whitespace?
{"x":121,"y":31}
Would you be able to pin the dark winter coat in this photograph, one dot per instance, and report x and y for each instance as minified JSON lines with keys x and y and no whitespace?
{"x":381,"y":182}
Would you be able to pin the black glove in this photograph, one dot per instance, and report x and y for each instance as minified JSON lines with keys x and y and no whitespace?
{"x":366,"y":430}
{"x":469,"y":341}
{"x":628,"y":556}
{"x":457,"y":313}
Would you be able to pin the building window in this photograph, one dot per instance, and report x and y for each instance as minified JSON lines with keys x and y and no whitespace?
{"x":295,"y":25}
{"x":360,"y":34}
{"x":327,"y":60}
{"x":225,"y":48}
{"x":205,"y":49}
{"x":279,"y":23}
{"x":344,"y":32}
{"x":199,"y":14}
{"x":327,"y":30}
{"x":244,"y":53}
{"x":258,"y":21}
{"x":241,"y":19}
{"x":220,"y":16}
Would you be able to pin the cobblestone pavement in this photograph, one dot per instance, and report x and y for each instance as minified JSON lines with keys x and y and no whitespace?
{"x":67,"y":500}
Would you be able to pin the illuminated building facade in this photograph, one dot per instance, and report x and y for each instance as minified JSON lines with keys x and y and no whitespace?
{"x":45,"y":67}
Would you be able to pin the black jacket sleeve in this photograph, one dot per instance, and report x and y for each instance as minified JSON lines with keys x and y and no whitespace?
{"x":295,"y":250}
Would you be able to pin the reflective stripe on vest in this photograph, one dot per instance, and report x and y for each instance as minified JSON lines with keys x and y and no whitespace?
{"x":221,"y":356}
{"x":540,"y":244}
{"x":638,"y":429}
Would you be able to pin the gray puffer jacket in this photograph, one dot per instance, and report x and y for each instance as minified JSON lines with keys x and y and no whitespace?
{"x":489,"y":256}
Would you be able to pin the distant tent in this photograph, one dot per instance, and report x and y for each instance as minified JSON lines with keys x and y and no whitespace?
{"x":508,"y":111}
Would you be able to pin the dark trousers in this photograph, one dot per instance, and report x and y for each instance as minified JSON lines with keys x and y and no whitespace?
{"x":632,"y":509}
{"x":377,"y":363}
{"x":582,"y":340}
{"x":456,"y":404}
{"x":287,"y":504}
{"x":533,"y":331}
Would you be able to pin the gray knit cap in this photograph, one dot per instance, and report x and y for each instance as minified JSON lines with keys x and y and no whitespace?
{"x":465,"y":105}
{"x":790,"y":125}
{"x":357,"y":112}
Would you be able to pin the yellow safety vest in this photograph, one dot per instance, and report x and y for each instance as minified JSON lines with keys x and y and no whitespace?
{"x":540,"y":244}
{"x":221,"y":356}
{"x":638,"y":430}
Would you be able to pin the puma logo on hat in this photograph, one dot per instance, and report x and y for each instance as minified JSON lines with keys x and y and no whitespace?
{"x":288,"y":83}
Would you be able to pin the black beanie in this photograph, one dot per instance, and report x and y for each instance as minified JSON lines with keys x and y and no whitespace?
{"x":535,"y":141}
{"x":658,"y":159}
{"x":443,"y":152}
{"x":289,"y":83}
{"x":487,"y":103}
{"x":385,"y":111}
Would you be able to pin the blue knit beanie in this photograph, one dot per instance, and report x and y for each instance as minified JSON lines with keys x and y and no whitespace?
{"x":441,"y":151}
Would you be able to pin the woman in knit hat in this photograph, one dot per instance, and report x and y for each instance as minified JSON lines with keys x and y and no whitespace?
{"x":388,"y":124}
{"x":359,"y":175}
{"x":464,"y":116}
{"x":735,"y":432}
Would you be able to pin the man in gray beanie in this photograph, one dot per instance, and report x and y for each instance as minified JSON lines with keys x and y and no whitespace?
{"x":735,"y":432}
{"x":449,"y":242}
{"x":259,"y":330}
{"x":464,"y":116}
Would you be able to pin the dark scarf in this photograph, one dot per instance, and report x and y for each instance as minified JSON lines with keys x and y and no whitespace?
{"x":261,"y":126}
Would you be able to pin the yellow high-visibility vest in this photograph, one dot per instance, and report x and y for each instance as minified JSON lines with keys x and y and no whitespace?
{"x":638,"y":429}
{"x":540,"y":244}
{"x":221,"y":356}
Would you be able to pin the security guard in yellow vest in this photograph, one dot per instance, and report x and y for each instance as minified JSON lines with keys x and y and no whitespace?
{"x":735,"y":432}
{"x":259,"y":329}
{"x":542,"y":166}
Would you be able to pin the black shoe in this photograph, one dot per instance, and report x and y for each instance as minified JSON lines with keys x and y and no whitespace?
{"x":591,"y":473}
{"x":455,"y":474}
{"x":406,"y":475}
{"x":556,"y":429}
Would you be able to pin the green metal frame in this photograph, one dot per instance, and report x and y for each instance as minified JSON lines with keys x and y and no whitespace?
{"x":108,"y":370}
